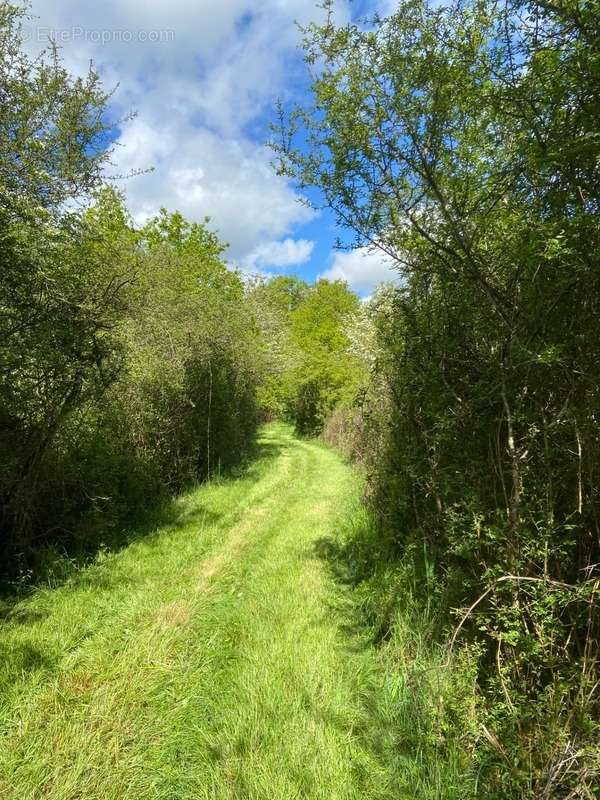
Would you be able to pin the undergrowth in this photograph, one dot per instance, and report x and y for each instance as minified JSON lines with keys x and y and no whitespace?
{"x":461,"y":732}
{"x":431,"y":700}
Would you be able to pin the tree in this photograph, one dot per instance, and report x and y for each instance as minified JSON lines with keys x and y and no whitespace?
{"x":191,"y":373}
{"x":54,"y":134}
{"x":462,"y":141}
{"x":272,"y":302}
{"x":328,"y":374}
{"x":127,"y":357}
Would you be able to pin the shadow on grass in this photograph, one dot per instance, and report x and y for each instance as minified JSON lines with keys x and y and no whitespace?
{"x":362,"y":628}
{"x":375,"y":611}
{"x":25,"y":658}
{"x":19,"y":616}
{"x":360,"y":635}
{"x":338,"y":559}
{"x":66,"y":558}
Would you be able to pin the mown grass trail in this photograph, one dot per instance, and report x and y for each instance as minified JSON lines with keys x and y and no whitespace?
{"x":211,"y":659}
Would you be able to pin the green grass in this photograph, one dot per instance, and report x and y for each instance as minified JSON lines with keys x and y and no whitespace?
{"x":215,"y":658}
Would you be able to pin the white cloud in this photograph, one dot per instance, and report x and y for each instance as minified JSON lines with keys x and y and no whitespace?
{"x":203,"y":174}
{"x":363,"y":269}
{"x":201,"y":96}
{"x":287,"y":253}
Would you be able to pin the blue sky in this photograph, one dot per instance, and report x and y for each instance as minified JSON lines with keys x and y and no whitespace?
{"x":203,"y":77}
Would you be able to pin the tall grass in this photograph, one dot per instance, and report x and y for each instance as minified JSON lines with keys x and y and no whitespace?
{"x":429,"y":701}
{"x":236,"y":651}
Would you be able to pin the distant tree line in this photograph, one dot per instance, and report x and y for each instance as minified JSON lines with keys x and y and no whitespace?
{"x":312,"y":370}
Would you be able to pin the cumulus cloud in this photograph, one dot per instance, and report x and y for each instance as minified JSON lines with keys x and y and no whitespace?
{"x":202,"y":93}
{"x":201,"y":173}
{"x":279,"y":255}
{"x":363,"y":270}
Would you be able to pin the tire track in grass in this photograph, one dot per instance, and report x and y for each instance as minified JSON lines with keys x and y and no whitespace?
{"x":224,"y":672}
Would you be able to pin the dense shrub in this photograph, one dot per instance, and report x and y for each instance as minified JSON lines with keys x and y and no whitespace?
{"x":463,"y":142}
{"x":344,"y":431}
{"x":169,"y":396}
{"x":127,"y":357}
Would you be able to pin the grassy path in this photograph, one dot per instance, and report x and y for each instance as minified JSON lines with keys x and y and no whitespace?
{"x":208,"y":660}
